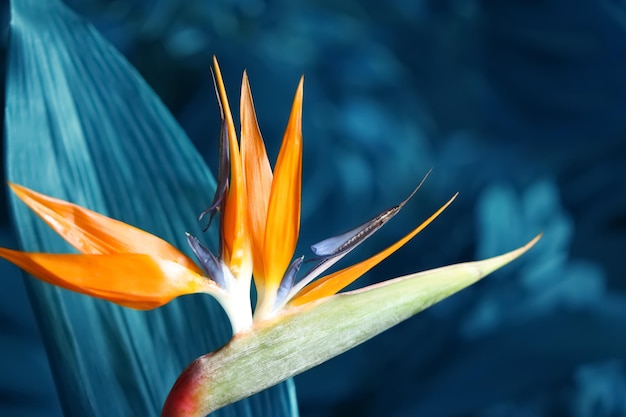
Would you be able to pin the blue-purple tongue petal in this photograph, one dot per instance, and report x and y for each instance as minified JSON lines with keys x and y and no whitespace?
{"x":222,"y":177}
{"x":287,"y":283}
{"x":331,"y":250}
{"x":224,"y":169}
{"x":209,"y":262}
{"x":349,"y":240}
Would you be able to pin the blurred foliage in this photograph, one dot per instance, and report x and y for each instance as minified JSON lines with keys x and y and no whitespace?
{"x":519,"y":105}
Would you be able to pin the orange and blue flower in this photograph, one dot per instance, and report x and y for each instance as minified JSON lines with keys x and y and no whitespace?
{"x":259,"y":228}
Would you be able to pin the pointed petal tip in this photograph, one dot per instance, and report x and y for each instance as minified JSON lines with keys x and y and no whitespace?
{"x":533,"y":242}
{"x":218,"y":82}
{"x":246,"y":94}
{"x":489,"y":265}
{"x":19,"y":190}
{"x":300,"y":91}
{"x":416,"y":189}
{"x":296,"y":107}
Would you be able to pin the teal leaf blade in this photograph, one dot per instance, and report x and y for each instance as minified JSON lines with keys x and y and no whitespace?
{"x":305,"y":336}
{"x":83,"y":126}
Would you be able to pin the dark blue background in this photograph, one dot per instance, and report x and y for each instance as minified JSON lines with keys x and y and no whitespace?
{"x":519,"y":105}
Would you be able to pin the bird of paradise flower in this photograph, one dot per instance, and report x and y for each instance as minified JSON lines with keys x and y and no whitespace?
{"x":259,"y":228}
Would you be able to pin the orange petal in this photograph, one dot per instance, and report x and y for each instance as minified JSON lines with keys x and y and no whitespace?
{"x":283,"y":216}
{"x":94,"y":233}
{"x":132,"y":280}
{"x":235,"y":237}
{"x":258,"y":174}
{"x":337,"y":281}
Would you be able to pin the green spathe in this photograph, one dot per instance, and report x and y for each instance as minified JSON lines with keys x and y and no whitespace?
{"x":302,"y":337}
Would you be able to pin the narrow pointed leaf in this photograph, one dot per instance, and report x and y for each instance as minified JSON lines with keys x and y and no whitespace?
{"x":303,"y":337}
{"x":83,"y":126}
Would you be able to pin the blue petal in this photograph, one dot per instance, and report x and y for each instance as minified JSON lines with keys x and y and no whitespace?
{"x":334,"y":248}
{"x":349,"y":240}
{"x":288,"y":280}
{"x":222,"y":177}
{"x":209,"y":262}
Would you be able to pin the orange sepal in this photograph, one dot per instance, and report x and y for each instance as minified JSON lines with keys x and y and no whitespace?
{"x":283,"y":215}
{"x":258,"y":175}
{"x":234,"y":221}
{"x":335,"y":282}
{"x":131,"y":280}
{"x":93,"y":233}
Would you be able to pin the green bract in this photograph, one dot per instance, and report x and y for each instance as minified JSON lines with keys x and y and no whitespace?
{"x":303,"y":337}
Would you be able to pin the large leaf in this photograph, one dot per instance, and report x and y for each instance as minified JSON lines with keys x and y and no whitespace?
{"x":303,"y":337}
{"x":21,"y":351}
{"x":82,"y":125}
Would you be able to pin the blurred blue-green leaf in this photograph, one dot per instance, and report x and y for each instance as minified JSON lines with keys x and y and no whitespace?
{"x":82,"y":125}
